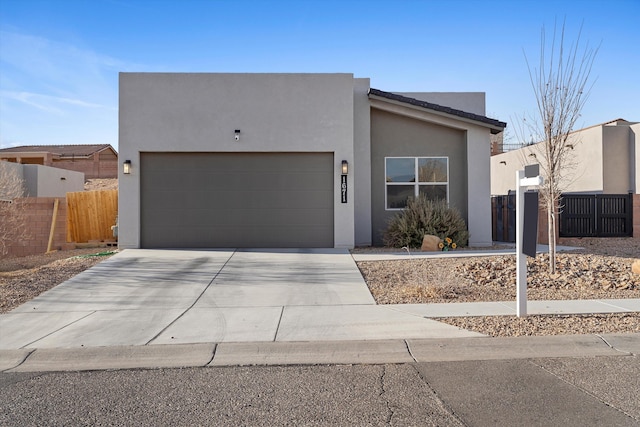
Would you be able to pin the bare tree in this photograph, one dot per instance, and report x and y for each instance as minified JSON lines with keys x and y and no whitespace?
{"x":561,"y":85}
{"x":13,"y":224}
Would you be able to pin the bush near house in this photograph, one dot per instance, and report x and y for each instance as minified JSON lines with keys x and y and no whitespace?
{"x":423,"y":216}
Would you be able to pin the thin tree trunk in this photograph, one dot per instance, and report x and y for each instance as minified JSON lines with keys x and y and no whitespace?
{"x":552,"y":235}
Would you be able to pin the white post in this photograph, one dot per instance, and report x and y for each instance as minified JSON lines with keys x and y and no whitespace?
{"x":521,"y":259}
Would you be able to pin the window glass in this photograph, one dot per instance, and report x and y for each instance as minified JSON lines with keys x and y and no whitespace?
{"x":434,"y":192}
{"x":397,"y":196}
{"x":432,"y":169}
{"x":401,"y":183}
{"x":401,"y":169}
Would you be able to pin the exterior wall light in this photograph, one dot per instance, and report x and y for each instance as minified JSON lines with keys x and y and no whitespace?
{"x":126,"y":167}
{"x":345,"y":167}
{"x":237,"y":134}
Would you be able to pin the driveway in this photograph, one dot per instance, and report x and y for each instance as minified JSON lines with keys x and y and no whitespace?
{"x":141,"y":297}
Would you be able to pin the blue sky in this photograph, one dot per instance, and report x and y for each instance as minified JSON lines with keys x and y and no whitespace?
{"x":60,"y":59}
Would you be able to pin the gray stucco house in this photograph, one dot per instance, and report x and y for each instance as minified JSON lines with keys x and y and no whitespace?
{"x":291,"y":160}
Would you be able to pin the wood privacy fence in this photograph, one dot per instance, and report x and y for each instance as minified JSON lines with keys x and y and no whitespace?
{"x":90,"y":215}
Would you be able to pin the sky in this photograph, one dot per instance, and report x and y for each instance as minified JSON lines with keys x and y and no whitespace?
{"x":60,"y":59}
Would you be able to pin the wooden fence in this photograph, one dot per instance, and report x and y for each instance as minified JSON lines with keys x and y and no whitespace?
{"x":90,"y":215}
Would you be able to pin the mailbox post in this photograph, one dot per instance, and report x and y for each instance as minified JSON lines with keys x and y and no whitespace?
{"x":526,"y":230}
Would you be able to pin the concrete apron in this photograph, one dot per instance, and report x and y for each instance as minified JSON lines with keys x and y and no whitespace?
{"x":140,"y":297}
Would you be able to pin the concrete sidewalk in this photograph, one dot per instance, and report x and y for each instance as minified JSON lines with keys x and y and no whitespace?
{"x":160,"y":302}
{"x":466,"y":253}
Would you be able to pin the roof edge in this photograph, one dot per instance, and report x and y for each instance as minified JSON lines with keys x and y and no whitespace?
{"x":436,"y":107}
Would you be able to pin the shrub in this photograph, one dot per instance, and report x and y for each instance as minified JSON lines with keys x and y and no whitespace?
{"x":423,"y":216}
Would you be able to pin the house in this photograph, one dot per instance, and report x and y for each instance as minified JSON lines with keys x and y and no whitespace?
{"x":604,"y":160}
{"x":95,"y":161}
{"x":291,"y":160}
{"x":43,"y":181}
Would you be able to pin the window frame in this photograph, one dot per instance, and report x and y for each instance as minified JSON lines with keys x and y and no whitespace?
{"x":416,"y":183}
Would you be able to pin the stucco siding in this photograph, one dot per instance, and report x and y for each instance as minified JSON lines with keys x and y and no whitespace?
{"x":583,"y":171}
{"x":394,"y":135}
{"x":471,"y":102}
{"x":478,"y":190}
{"x":634,"y":141}
{"x":616,"y":160}
{"x":361,"y":166}
{"x":184,"y":112}
{"x":43,"y":181}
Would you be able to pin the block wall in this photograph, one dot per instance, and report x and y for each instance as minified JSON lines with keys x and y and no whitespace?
{"x":39,"y":213}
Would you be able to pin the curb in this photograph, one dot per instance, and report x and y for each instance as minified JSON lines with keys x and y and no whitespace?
{"x":316,"y":353}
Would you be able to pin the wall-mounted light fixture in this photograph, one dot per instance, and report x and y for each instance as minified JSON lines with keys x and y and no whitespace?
{"x":502,"y":162}
{"x":533,"y":155}
{"x":237,"y":134}
{"x":570,"y":146}
{"x":126,"y":167}
{"x":345,"y":167}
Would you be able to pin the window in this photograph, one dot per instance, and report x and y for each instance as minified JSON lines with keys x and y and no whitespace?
{"x":409,"y":176}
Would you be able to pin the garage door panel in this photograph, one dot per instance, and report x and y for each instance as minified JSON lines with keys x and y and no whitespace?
{"x":237,"y":199}
{"x":297,"y":236}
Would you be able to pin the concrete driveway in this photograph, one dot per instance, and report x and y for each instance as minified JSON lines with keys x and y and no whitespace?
{"x":141,"y":297}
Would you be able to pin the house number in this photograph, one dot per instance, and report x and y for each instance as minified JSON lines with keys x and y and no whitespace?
{"x":343,"y":189}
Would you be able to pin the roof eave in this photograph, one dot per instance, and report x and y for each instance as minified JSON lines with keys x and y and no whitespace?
{"x":495,"y":126}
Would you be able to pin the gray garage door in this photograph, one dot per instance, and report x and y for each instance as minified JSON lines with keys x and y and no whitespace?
{"x":208,"y":200}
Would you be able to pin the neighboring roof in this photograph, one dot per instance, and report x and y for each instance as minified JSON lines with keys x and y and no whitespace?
{"x":438,"y":108}
{"x":621,"y":122}
{"x":61,"y":150}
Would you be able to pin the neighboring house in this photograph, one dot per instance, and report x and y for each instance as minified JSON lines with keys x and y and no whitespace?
{"x":43,"y":188}
{"x":291,"y":160}
{"x":605,"y":160}
{"x":94,"y":161}
{"x":43,"y":181}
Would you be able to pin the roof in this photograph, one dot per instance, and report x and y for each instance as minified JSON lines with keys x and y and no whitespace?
{"x":438,"y":108}
{"x":61,"y":150}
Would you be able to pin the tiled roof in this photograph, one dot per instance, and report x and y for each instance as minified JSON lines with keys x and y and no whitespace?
{"x":436,"y":107}
{"x":62,"y":150}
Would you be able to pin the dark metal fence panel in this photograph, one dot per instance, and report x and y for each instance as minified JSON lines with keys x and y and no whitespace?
{"x":578,"y":215}
{"x":615,"y":215}
{"x":503,"y":216}
{"x":596,"y":215}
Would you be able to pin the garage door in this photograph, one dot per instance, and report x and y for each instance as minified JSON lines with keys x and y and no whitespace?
{"x":258,"y":200}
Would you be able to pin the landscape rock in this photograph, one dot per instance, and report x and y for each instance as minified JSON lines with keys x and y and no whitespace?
{"x":635,"y":267}
{"x":430,"y":243}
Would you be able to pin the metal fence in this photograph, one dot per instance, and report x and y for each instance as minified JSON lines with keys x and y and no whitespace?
{"x":581,"y":215}
{"x":503,"y":215}
{"x":596,"y":215}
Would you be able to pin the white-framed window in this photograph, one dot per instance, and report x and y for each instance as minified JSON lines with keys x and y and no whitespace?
{"x":409,"y":176}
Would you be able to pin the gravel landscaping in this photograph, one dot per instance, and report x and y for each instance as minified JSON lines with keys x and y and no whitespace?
{"x":24,"y":278}
{"x":602,"y":270}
